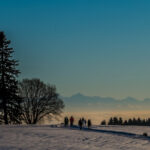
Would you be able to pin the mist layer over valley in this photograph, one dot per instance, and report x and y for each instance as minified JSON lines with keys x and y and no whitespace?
{"x":100,"y":108}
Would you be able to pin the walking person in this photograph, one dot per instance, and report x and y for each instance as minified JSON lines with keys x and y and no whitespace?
{"x":66,"y":121}
{"x":89,"y":123}
{"x":71,"y":121}
{"x":83,"y":121}
{"x":80,"y":123}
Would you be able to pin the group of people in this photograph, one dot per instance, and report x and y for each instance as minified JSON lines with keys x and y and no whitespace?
{"x":81,"y":123}
{"x":66,"y":121}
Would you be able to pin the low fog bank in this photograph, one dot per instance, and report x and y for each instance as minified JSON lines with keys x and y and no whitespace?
{"x":97,"y":117}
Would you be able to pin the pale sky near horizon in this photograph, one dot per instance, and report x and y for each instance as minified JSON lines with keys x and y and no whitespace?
{"x":95,"y":47}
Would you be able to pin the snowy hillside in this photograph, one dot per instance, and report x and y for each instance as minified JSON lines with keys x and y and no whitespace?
{"x":60,"y":138}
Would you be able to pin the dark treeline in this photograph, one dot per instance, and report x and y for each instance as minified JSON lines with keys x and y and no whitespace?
{"x":130,"y":121}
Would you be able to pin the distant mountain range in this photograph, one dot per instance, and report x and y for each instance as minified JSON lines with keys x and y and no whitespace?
{"x":80,"y":102}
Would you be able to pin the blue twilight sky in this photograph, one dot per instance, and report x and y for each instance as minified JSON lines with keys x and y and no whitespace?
{"x":96,"y":47}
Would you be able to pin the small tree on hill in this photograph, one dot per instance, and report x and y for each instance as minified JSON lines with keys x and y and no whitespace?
{"x":120,"y":121}
{"x":115,"y":121}
{"x":110,"y":122}
{"x":40,"y":100}
{"x":103,"y":122}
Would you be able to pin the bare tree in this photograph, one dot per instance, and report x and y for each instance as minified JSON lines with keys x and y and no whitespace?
{"x":39,"y":100}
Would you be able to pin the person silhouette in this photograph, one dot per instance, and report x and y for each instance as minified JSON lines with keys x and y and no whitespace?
{"x":66,"y":120}
{"x":80,"y":123}
{"x":71,"y":121}
{"x":89,"y":123}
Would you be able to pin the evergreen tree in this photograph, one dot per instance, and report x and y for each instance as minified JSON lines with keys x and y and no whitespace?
{"x":130,"y":122}
{"x":125,"y":122}
{"x":110,"y":122}
{"x":139,"y":122}
{"x":135,"y":121}
{"x":115,"y":121}
{"x":143,"y":122}
{"x":103,"y":122}
{"x":9,"y":100}
{"x":148,"y":122}
{"x":120,"y":121}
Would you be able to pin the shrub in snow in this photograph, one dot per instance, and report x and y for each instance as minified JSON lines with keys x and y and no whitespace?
{"x":145,"y":134}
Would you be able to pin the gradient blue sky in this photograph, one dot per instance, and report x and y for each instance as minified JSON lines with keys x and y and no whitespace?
{"x":96,"y":47}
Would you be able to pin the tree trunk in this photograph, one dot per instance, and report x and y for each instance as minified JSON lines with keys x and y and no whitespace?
{"x":5,"y":113}
{"x":3,"y":94}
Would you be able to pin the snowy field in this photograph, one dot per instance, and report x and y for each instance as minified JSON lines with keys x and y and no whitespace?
{"x":60,"y":138}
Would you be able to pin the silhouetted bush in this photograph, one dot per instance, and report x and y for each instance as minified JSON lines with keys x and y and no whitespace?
{"x":145,"y":134}
{"x":103,"y":122}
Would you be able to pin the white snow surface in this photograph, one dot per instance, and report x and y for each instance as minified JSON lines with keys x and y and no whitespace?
{"x":55,"y":137}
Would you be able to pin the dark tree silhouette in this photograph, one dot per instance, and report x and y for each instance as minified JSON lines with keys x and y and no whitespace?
{"x":110,"y":122}
{"x":115,"y":121}
{"x":120,"y":121}
{"x":130,"y":121}
{"x":125,"y":122}
{"x":9,"y":100}
{"x":40,"y":100}
{"x":103,"y":122}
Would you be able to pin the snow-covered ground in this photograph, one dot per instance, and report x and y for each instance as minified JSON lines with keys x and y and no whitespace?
{"x":60,"y":138}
